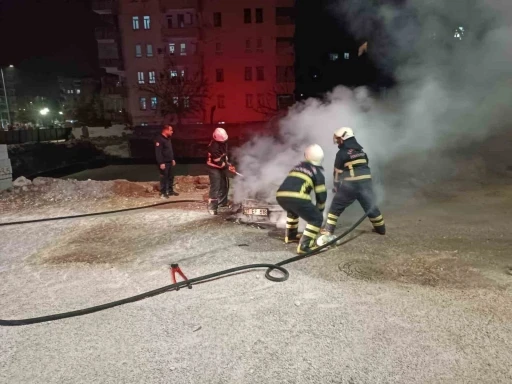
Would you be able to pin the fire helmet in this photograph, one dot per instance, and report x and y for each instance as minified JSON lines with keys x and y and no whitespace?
{"x":314,"y":154}
{"x":343,"y":133}
{"x":220,"y":135}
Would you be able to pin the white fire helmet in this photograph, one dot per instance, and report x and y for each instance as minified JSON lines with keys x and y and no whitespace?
{"x":314,"y":154}
{"x":220,"y":135}
{"x":343,"y":133}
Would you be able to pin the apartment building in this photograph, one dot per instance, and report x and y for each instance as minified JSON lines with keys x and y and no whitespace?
{"x":110,"y":56}
{"x":238,"y":52}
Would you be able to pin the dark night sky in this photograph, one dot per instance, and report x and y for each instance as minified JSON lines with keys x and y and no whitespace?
{"x":48,"y":37}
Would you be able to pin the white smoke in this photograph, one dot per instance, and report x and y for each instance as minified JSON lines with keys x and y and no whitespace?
{"x":454,"y":70}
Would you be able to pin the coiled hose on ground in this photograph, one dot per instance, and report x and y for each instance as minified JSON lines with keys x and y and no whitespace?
{"x":171,"y":287}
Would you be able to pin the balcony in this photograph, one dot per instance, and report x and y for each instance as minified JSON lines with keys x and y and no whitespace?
{"x":192,"y":32}
{"x":103,"y":6}
{"x":105,"y":34}
{"x":178,"y":4}
{"x":115,"y":90}
{"x":110,"y":63}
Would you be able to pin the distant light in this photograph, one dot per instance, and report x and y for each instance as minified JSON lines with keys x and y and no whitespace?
{"x":44,"y":111}
{"x":11,"y":66}
{"x":60,"y":113}
{"x":120,"y":111}
{"x":302,"y":94}
{"x":222,"y":122}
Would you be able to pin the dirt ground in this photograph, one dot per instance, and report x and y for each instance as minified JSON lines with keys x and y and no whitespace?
{"x":430,"y":302}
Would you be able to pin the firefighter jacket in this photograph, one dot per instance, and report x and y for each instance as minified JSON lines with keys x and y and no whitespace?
{"x":217,"y":155}
{"x":163,"y":150}
{"x":302,"y":179}
{"x":351,"y":162}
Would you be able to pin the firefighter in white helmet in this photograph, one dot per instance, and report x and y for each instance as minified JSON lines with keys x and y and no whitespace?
{"x":294,"y":196}
{"x":218,"y":168}
{"x":352,"y":181}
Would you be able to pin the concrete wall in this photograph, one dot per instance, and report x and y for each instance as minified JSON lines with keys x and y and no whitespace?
{"x":115,"y":130}
{"x":5,"y":169}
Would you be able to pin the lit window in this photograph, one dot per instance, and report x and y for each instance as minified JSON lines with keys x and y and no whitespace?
{"x":259,"y":15}
{"x":135,"y":22}
{"x":260,"y":74}
{"x":217,"y":19}
{"x":140,"y":77}
{"x":175,"y":100}
{"x":142,"y":103}
{"x":333,"y":56}
{"x":247,"y":16}
{"x":173,"y":73}
{"x":220,"y":101}
{"x":346,"y":55}
{"x":219,"y":75}
{"x":138,"y":50}
{"x":77,"y":91}
{"x":183,"y":49}
{"x":154,"y":102}
{"x":248,"y":101}
{"x":186,"y":102}
{"x":248,"y":73}
{"x":172,"y":48}
{"x":149,"y":50}
{"x":152,"y":77}
{"x":147,"y":22}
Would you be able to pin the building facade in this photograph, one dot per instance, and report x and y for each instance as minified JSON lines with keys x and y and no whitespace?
{"x":237,"y":54}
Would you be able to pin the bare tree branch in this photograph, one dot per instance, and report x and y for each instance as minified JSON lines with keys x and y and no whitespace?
{"x":272,"y":103}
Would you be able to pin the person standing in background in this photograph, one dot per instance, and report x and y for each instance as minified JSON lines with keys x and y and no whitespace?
{"x":165,"y":159}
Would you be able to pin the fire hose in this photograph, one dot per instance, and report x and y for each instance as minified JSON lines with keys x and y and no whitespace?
{"x":176,"y":286}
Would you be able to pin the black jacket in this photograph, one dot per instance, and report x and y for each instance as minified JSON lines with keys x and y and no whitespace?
{"x":352,"y":161}
{"x":217,"y":155}
{"x":163,"y":150}
{"x":301,"y":180}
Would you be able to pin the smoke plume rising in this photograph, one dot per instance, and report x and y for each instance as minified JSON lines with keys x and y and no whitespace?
{"x":452,"y":61}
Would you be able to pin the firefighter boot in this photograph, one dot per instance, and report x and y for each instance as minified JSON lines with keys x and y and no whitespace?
{"x":212,"y":206}
{"x":292,"y":230}
{"x":307,"y":241}
{"x":378,"y":225}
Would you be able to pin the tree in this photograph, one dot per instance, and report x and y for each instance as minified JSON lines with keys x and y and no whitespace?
{"x":177,"y":93}
{"x":276,"y":101}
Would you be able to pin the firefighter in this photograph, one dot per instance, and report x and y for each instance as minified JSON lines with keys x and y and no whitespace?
{"x":294,"y":196}
{"x":218,"y":168}
{"x":352,"y":181}
{"x":165,"y":160}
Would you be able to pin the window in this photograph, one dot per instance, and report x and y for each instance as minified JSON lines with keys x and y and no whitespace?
{"x":248,"y":73}
{"x":169,"y":21}
{"x":284,"y":101}
{"x":220,"y":101}
{"x":218,"y":48}
{"x":346,"y":55}
{"x":138,"y":50}
{"x":285,"y":15}
{"x":175,"y":100}
{"x":154,"y":103}
{"x":219,"y":75}
{"x":247,"y":16}
{"x":189,"y":18}
{"x":142,"y":103}
{"x":259,"y":44}
{"x":248,"y":101}
{"x":77,"y":91}
{"x":172,"y":48}
{"x":152,"y":77}
{"x":248,"y":45}
{"x":284,"y":74}
{"x":217,"y":19}
{"x":261,"y":100}
{"x":173,"y":73}
{"x":259,"y":15}
{"x":135,"y":23}
{"x":183,"y":49}
{"x":186,"y":102}
{"x":147,"y":22}
{"x":140,"y":76}
{"x":284,"y":46}
{"x":333,"y":56}
{"x":181,"y":20}
{"x":260,"y":75}
{"x":149,"y":50}
{"x":182,"y":73}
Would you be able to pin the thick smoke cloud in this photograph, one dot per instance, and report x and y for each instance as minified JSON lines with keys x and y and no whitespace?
{"x":454,"y":89}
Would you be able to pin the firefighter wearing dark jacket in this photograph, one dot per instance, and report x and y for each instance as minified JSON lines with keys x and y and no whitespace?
{"x":218,"y":168}
{"x":165,"y":160}
{"x":294,"y":196}
{"x":352,"y":181}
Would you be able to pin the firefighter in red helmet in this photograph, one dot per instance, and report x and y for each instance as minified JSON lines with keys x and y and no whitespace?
{"x":218,"y":168}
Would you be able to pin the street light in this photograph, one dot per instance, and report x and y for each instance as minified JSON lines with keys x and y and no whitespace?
{"x":60,"y":113}
{"x":11,"y":66}
{"x":44,"y":111}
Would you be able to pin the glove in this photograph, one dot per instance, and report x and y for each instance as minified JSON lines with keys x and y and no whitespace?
{"x":232,"y":168}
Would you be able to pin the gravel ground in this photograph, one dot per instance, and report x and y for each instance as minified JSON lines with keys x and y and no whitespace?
{"x":428,"y":303}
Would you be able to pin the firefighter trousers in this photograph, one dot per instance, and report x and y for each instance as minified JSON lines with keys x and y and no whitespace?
{"x":219,"y":187}
{"x":304,"y":209}
{"x":347,"y":193}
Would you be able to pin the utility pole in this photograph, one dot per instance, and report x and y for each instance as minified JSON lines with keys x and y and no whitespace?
{"x":6,"y":98}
